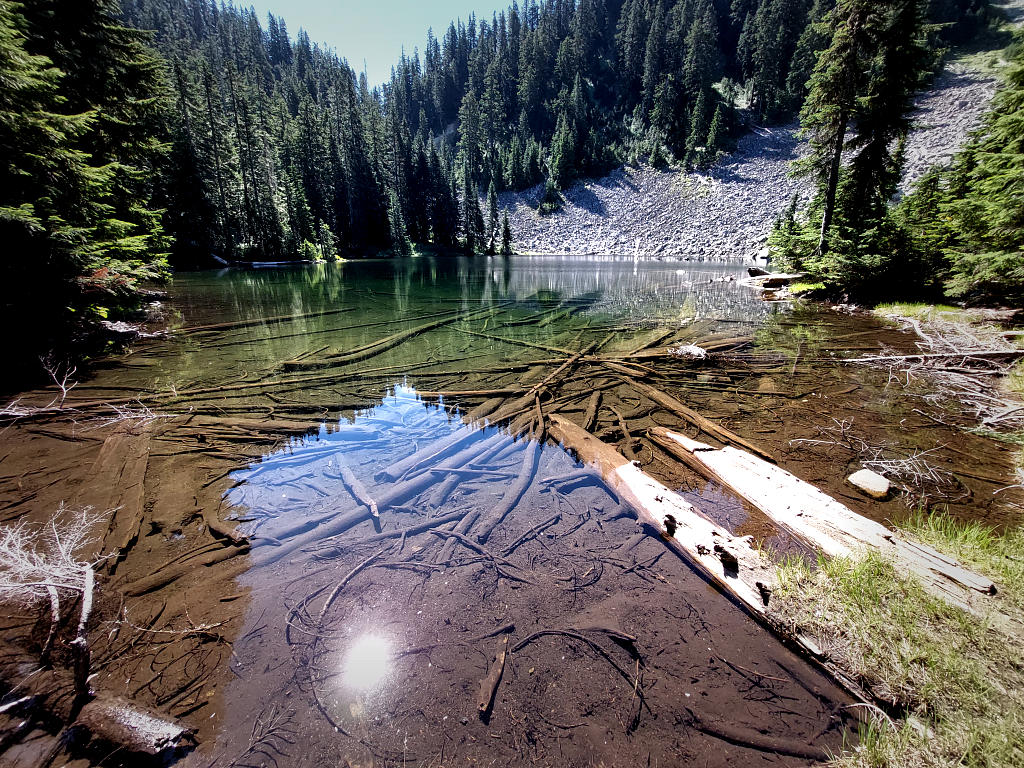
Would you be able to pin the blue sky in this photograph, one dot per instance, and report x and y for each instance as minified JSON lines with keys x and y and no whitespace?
{"x":372,"y":30}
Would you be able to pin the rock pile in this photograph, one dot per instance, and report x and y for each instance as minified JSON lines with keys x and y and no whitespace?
{"x":644,"y":212}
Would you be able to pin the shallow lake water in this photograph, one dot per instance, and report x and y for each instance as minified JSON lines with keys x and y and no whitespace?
{"x":342,"y":534}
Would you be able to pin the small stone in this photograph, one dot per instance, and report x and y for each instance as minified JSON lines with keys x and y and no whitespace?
{"x":871,"y":483}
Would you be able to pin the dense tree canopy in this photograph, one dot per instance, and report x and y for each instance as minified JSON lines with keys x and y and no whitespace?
{"x":80,"y":134}
{"x":967,"y":222}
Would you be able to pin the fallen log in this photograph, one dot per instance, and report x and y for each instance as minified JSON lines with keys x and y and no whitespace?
{"x":493,"y":518}
{"x":116,"y":483}
{"x":433,"y":453}
{"x":986,"y":353}
{"x":489,"y":685}
{"x":743,"y":737}
{"x":817,"y":519}
{"x":355,"y":487}
{"x":261,"y":321}
{"x":112,"y":719}
{"x":590,"y":415}
{"x":402,"y":491}
{"x":383,"y":345}
{"x":702,"y":423}
{"x":693,"y":536}
{"x":732,"y":563}
{"x":171,"y":574}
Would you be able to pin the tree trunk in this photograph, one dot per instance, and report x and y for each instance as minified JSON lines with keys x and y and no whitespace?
{"x":832,"y":184}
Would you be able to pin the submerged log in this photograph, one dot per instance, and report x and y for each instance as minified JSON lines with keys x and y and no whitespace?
{"x":383,"y":345}
{"x":116,"y":486}
{"x":822,"y":522}
{"x":262,"y":321}
{"x":493,"y":518}
{"x":702,"y":423}
{"x":732,"y":563}
{"x":402,"y":491}
{"x":112,"y":719}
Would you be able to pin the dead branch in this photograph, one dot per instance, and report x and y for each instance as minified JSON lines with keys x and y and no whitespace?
{"x":489,"y":685}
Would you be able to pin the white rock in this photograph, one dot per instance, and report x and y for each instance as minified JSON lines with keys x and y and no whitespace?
{"x":871,"y":483}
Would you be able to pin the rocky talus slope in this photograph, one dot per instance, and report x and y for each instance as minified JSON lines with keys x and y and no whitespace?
{"x":729,"y":212}
{"x":647,"y":212}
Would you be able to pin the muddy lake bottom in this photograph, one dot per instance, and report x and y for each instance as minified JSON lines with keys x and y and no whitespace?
{"x":505,"y":608}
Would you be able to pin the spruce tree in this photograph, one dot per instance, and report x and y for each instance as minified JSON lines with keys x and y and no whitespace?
{"x":506,"y":236}
{"x":856,"y":116}
{"x":696,"y":151}
{"x":492,"y":218}
{"x":982,"y":208}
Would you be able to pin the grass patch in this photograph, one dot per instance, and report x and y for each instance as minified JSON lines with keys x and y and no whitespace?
{"x":958,"y":680}
{"x":798,"y":287}
{"x":920,"y":311}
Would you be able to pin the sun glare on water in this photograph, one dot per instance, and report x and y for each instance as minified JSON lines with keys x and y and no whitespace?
{"x":366,"y":663}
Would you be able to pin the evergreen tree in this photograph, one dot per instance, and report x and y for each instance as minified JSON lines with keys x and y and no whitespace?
{"x":696,"y":149}
{"x":80,"y":111}
{"x":856,"y":116}
{"x":716,"y":135}
{"x":563,"y":153}
{"x":980,"y":217}
{"x":506,"y":236}
{"x":492,"y":218}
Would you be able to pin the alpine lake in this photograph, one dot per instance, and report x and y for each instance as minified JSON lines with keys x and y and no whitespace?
{"x":336,"y":528}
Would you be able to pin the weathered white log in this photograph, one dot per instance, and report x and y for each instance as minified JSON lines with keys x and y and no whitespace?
{"x":817,"y":519}
{"x":731,"y":562}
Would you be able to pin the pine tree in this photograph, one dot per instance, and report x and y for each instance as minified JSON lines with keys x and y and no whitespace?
{"x":696,"y":151}
{"x":982,"y":207}
{"x":814,"y":38}
{"x":492,"y":218}
{"x":81,"y":142}
{"x":703,"y":66}
{"x":506,"y":236}
{"x":716,"y":135}
{"x":830,"y":103}
{"x":41,"y":179}
{"x":563,"y":153}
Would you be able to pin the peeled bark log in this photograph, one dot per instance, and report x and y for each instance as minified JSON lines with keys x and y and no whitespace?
{"x":692,"y":535}
{"x":113,"y":719}
{"x":817,"y":519}
{"x":730,"y":562}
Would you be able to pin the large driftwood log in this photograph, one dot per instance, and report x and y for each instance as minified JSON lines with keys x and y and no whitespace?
{"x":819,"y":520}
{"x":729,"y":561}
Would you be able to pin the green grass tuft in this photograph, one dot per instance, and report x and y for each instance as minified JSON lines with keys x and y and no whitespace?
{"x":958,"y":680}
{"x":921,"y":311}
{"x":796,"y":288}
